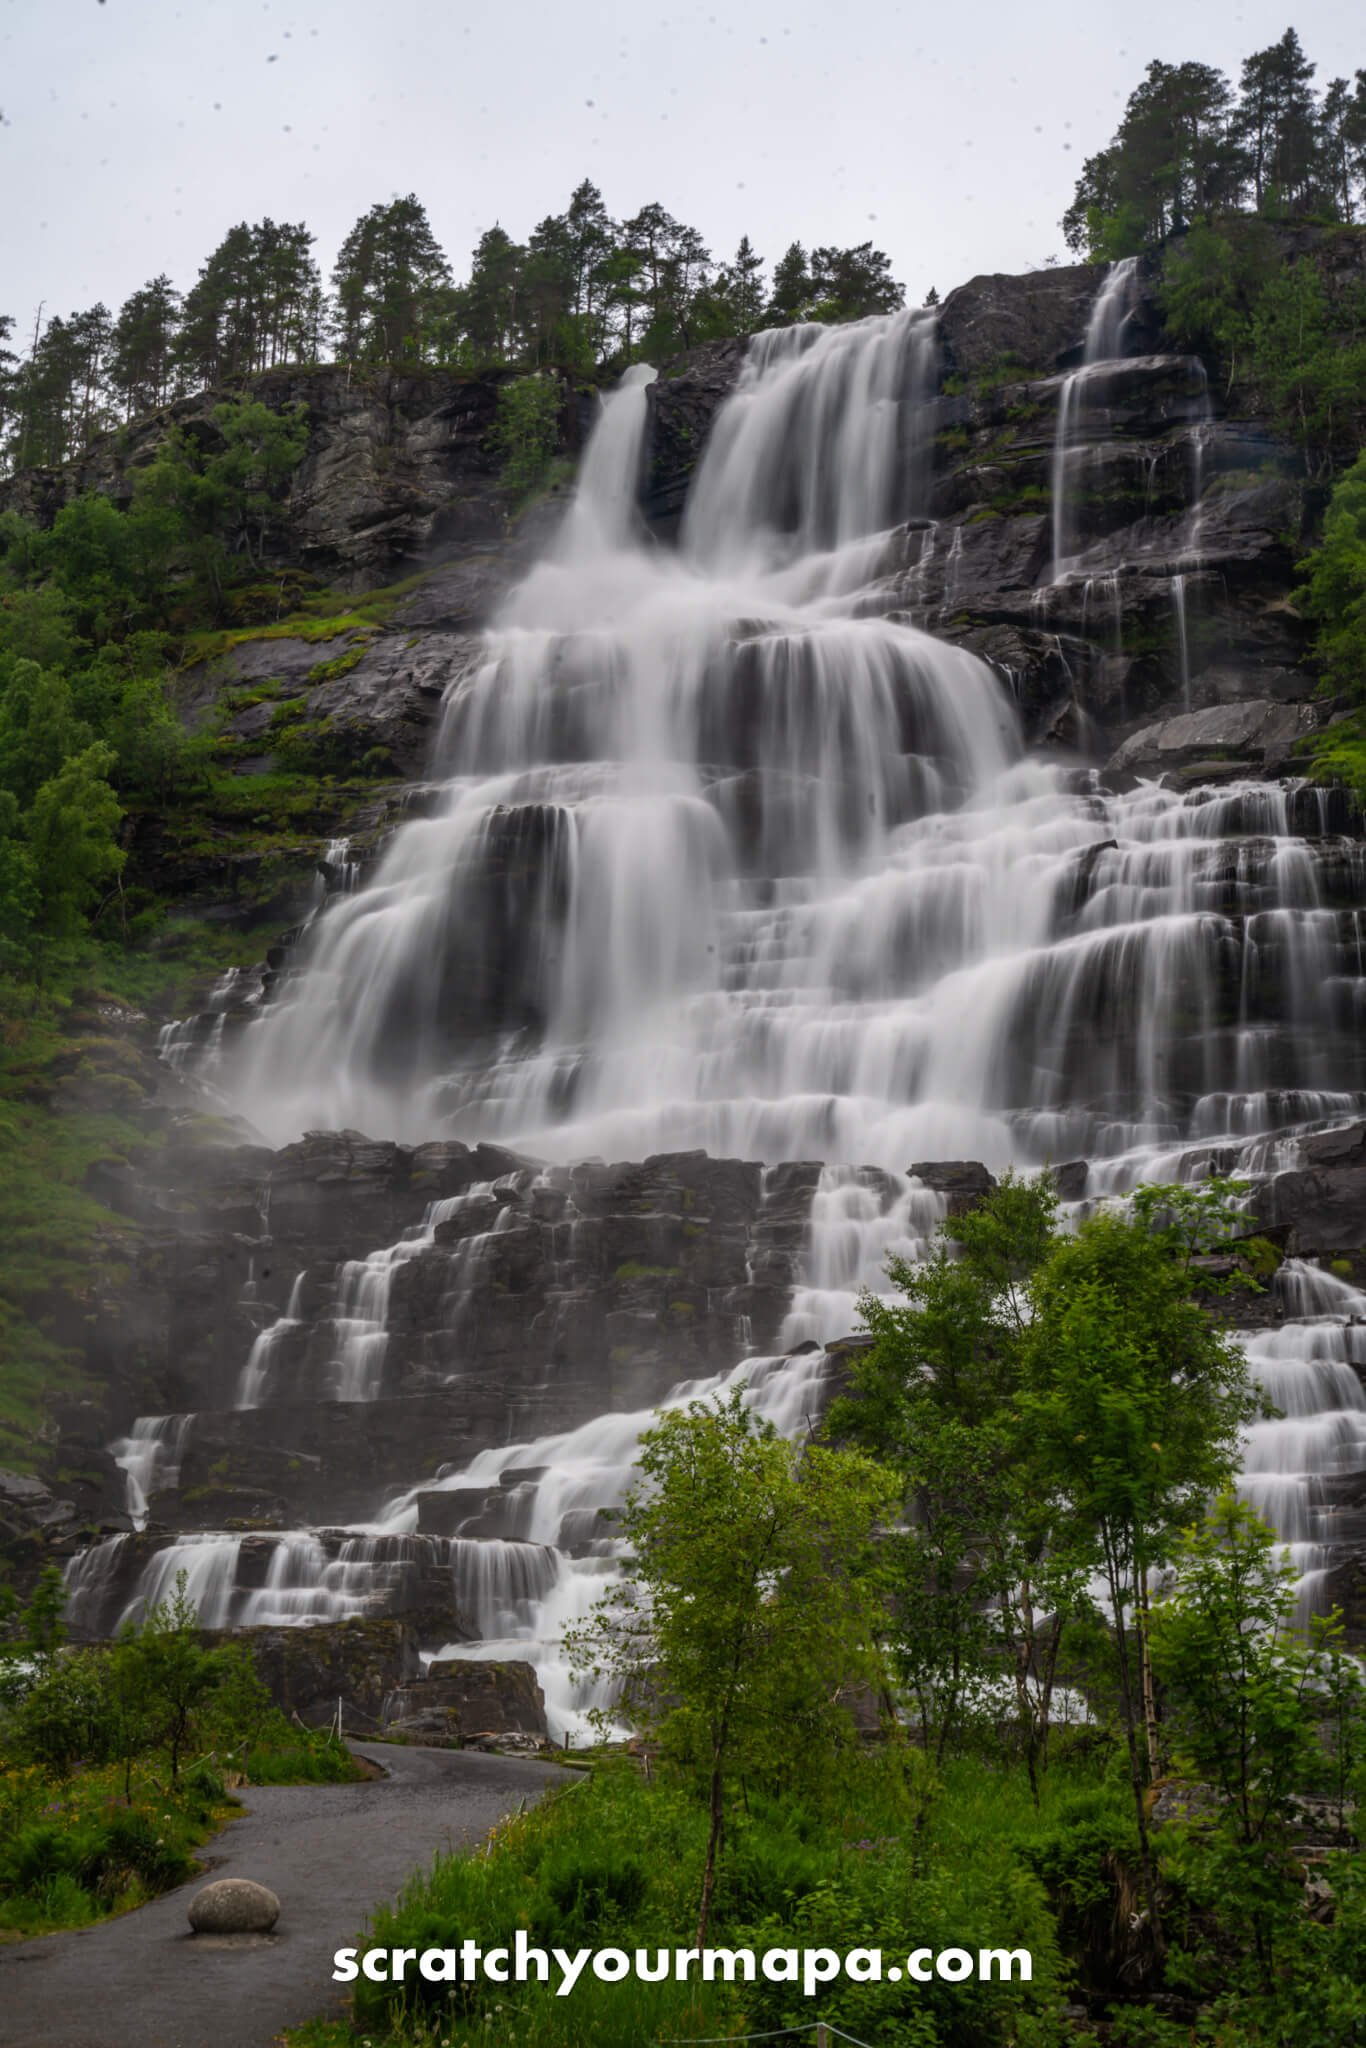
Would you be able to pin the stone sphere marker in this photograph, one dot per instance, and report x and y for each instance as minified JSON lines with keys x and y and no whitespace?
{"x":233,"y":1905}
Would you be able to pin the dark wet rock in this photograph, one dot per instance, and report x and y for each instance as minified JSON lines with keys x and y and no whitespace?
{"x":684,"y":401}
{"x":1070,"y":1180}
{"x":460,"y":1701}
{"x":547,"y":1297}
{"x":1031,"y":320}
{"x":966,"y":1182}
{"x":218,"y":1504}
{"x":359,"y":1663}
{"x":1259,"y":737}
{"x":1321,"y":1203}
{"x":42,"y":1519}
{"x":233,"y":1905}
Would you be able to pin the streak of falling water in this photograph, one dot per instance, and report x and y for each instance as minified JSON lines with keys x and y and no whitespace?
{"x":1178,"y":589}
{"x":149,"y":1457}
{"x":1104,"y":343}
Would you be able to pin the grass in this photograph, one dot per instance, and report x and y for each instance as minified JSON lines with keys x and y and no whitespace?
{"x":78,"y":1852}
{"x":614,"y":1861}
{"x":325,"y":615}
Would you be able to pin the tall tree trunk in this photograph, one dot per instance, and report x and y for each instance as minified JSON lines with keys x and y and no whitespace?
{"x":717,"y":1809}
{"x":1146,"y":1676}
{"x":1118,"y":1590}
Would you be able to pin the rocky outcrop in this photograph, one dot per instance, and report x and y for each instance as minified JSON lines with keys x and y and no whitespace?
{"x":460,"y":1702}
{"x":358,"y":1663}
{"x":398,"y":467}
{"x":1033,"y":320}
{"x":1257,"y":738}
{"x":684,"y":401}
{"x":1321,"y":1202}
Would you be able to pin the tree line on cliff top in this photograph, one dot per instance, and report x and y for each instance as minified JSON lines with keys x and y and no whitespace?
{"x":583,"y":291}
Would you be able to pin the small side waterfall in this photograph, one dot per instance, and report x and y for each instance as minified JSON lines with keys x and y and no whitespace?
{"x":149,"y":1457}
{"x":1104,"y":344}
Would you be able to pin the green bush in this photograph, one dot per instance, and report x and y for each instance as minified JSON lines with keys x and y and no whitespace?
{"x":526,"y":432}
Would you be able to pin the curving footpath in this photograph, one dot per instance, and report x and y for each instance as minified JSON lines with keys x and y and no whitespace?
{"x":331,"y":1852}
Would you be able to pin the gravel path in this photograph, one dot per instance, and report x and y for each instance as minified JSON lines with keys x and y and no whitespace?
{"x":331,"y":1852}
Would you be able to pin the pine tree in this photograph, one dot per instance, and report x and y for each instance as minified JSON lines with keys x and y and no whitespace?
{"x":251,"y":305}
{"x":142,"y":353}
{"x":1337,"y":170}
{"x":58,"y":395}
{"x":686,"y":274}
{"x":591,"y":239}
{"x":1277,"y":122}
{"x":744,"y":285}
{"x":9,"y":370}
{"x":849,"y":284}
{"x":544,"y":290}
{"x":288,"y":289}
{"x":791,"y":287}
{"x":216,"y":340}
{"x":490,"y":303}
{"x":1354,"y":130}
{"x":390,"y":284}
{"x":655,"y":240}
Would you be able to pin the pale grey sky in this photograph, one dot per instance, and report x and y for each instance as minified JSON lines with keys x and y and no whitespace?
{"x":137,"y":131}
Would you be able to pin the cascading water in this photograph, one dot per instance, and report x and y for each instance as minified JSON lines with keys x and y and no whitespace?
{"x":526,"y":1593}
{"x":1311,"y":1370}
{"x":786,"y":886}
{"x":149,"y":1457}
{"x":730,"y":857}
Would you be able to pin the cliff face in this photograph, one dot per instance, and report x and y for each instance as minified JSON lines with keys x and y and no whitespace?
{"x":398,"y":465}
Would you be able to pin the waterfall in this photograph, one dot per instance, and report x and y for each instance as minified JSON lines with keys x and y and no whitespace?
{"x":730,"y":855}
{"x":1183,"y":656}
{"x":585,"y":950}
{"x":1110,"y":312}
{"x":525,"y":1595}
{"x":149,"y":1457}
{"x":727,"y":859}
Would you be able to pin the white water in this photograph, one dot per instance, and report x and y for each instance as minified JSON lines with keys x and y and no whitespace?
{"x":795,"y":892}
{"x":527,"y":1593}
{"x":149,"y":1457}
{"x":1311,"y":1369}
{"x":1082,"y":392}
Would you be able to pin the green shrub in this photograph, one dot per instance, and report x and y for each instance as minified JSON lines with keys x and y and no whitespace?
{"x":526,"y":431}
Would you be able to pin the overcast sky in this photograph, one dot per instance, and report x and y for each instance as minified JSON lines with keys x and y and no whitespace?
{"x":137,"y":131}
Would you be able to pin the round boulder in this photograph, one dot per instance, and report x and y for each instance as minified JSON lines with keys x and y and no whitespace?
{"x":234,"y":1905}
